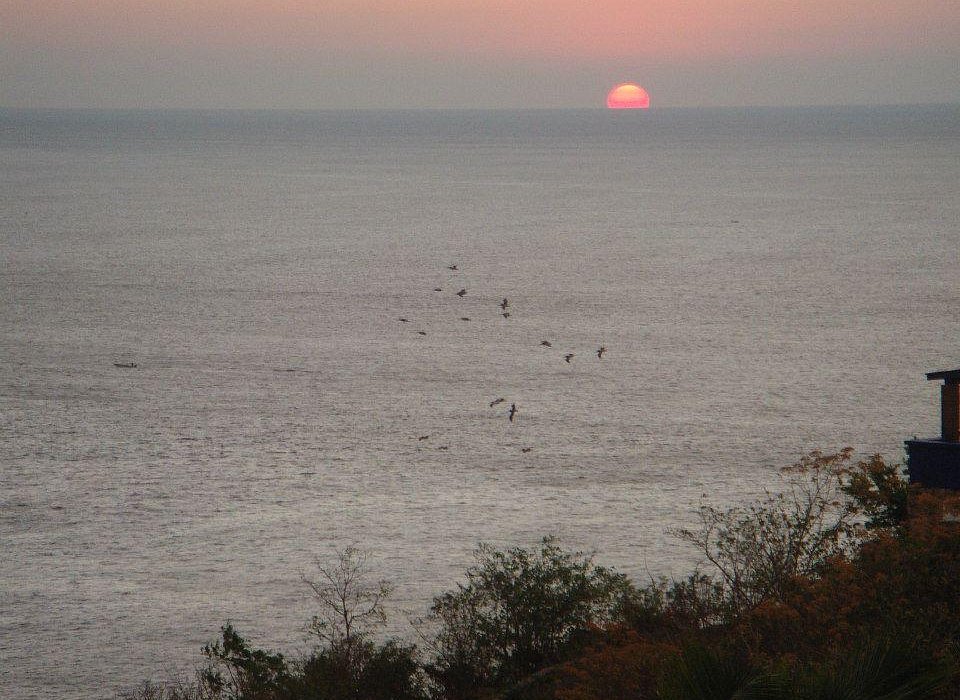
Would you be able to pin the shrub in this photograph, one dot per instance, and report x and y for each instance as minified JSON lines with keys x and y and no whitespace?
{"x":702,"y":673}
{"x":237,"y":672}
{"x":518,"y":612}
{"x":880,"y":491}
{"x":389,"y":671}
{"x":347,"y":664}
{"x":886,"y":668}
{"x":351,"y":607}
{"x":757,"y":551}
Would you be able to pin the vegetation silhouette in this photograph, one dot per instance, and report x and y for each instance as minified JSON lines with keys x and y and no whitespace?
{"x":843,"y":583}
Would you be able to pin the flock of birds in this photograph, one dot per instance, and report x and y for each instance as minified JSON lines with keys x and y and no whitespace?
{"x":504,"y":305}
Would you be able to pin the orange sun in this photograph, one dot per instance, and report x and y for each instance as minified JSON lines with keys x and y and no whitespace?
{"x":628,"y":96}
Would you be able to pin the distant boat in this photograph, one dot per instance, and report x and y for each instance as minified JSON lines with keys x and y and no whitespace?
{"x":125,"y":365}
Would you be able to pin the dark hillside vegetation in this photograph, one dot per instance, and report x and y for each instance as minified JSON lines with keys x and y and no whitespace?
{"x":844,"y":584}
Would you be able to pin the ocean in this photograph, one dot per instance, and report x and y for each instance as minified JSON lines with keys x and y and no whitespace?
{"x":765,"y":282}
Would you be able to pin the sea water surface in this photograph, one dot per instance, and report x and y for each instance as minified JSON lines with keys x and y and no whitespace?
{"x":765,"y":282}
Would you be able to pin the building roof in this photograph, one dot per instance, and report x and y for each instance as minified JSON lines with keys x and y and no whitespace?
{"x":950,"y":375}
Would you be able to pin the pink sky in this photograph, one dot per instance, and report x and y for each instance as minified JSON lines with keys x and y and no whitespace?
{"x":141,"y":44}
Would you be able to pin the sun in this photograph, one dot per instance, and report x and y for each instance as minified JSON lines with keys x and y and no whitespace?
{"x":628,"y":96}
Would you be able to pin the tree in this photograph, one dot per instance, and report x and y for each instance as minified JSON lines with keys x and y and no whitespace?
{"x":348,"y":664}
{"x":757,"y":550}
{"x":880,"y":490}
{"x":237,"y":672}
{"x":388,"y":671}
{"x":351,"y":608}
{"x":518,"y":611}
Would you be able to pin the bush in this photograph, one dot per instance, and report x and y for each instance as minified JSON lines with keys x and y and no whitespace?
{"x":758,"y":551}
{"x":519,"y":611}
{"x":846,"y":552}
{"x":237,"y":672}
{"x":390,"y":671}
{"x":880,"y":491}
{"x":887,"y":668}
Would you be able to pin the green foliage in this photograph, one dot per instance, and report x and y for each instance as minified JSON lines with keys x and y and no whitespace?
{"x":369,"y":672}
{"x":700,"y":673}
{"x":794,"y":577}
{"x":883,"y":669}
{"x":237,"y":672}
{"x":880,"y":491}
{"x":518,"y":611}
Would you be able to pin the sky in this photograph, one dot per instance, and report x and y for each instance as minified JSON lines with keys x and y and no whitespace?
{"x":316,"y":54}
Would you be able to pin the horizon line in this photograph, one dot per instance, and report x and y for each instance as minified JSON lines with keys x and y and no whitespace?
{"x":598,"y":108}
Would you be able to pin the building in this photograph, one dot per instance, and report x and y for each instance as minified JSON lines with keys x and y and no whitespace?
{"x":935,"y":462}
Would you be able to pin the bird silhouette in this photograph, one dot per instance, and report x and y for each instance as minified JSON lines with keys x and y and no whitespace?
{"x":525,"y":449}
{"x":464,"y":318}
{"x":504,"y":304}
{"x":462,"y":293}
{"x":513,"y":411}
{"x":496,"y":401}
{"x":438,"y":289}
{"x":568,"y":357}
{"x":506,"y":314}
{"x":600,"y":352}
{"x":404,"y":320}
{"x":422,"y":437}
{"x":444,"y":447}
{"x":546,"y":343}
{"x":421,"y":332}
{"x":452,"y":267}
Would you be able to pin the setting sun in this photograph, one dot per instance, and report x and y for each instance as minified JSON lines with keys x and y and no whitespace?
{"x":628,"y":96}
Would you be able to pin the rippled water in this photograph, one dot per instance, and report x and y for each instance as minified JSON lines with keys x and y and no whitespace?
{"x":765,"y":282}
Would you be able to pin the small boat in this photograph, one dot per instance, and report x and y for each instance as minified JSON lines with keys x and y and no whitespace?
{"x":125,"y":365}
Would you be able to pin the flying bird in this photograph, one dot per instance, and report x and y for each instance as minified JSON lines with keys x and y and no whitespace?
{"x":404,"y":320}
{"x":421,"y":332}
{"x":504,"y":304}
{"x":452,"y":267}
{"x":464,"y":318}
{"x":438,"y":289}
{"x":462,"y":293}
{"x":513,"y":411}
{"x":506,"y":314}
{"x":568,"y":357}
{"x":496,"y":401}
{"x":600,"y":352}
{"x":546,"y":343}
{"x":422,"y":437}
{"x":525,"y":449}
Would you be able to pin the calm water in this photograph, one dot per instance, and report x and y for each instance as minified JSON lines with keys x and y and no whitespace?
{"x":765,"y":282}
